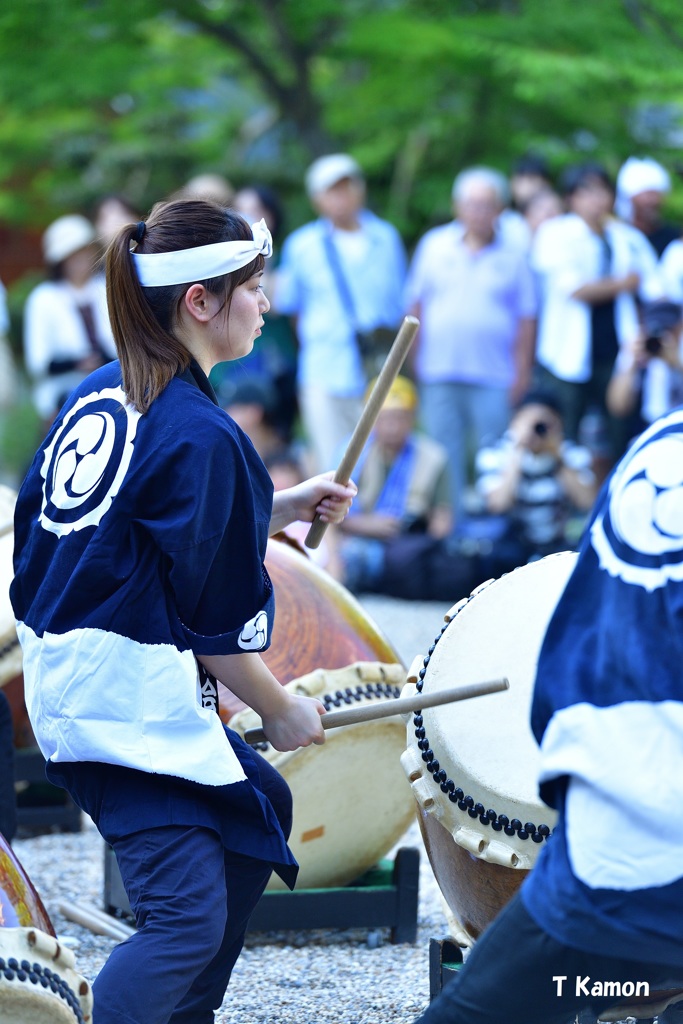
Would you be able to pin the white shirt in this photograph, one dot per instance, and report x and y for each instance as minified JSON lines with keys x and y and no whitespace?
{"x":470,"y":307}
{"x":567,"y":255}
{"x":54,"y":330}
{"x":671,"y":267}
{"x":373,"y":265}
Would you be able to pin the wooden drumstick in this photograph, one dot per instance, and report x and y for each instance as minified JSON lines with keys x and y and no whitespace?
{"x":396,"y":706}
{"x":387,"y":375}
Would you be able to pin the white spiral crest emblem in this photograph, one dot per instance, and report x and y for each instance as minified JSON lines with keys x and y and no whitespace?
{"x":86,"y":461}
{"x":254,"y":634}
{"x":638,"y":536}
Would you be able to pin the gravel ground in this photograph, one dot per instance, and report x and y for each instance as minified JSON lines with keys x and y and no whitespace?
{"x":340,"y":977}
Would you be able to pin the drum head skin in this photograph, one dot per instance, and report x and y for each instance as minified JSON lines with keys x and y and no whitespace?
{"x":473,"y":765}
{"x":351,"y":803}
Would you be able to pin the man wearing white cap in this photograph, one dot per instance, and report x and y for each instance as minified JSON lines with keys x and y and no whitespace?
{"x":66,"y":325}
{"x":641,"y":188}
{"x":341,"y":276}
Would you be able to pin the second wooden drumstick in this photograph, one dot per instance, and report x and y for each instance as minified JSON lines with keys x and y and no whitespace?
{"x":396,"y":706}
{"x":387,"y":375}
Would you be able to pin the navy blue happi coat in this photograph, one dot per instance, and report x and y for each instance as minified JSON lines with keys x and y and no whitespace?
{"x":608,"y":714}
{"x":139,"y":543}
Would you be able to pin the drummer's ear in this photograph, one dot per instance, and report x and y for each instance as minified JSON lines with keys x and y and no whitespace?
{"x":199,"y":304}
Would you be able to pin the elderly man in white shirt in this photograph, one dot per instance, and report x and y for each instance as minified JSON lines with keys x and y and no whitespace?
{"x":591,"y":268}
{"x":475,"y":297}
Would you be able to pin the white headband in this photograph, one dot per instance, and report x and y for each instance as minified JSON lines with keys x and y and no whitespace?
{"x":155,"y":270}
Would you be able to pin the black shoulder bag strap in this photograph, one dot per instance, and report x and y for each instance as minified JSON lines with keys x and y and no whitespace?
{"x":340,"y":279}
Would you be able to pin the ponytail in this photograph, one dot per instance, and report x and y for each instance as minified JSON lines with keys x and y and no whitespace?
{"x":143,"y":319}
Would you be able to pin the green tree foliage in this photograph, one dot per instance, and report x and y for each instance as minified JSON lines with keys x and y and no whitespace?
{"x":98,"y":95}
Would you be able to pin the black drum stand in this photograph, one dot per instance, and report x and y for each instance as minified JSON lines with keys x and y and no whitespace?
{"x":445,"y":960}
{"x":41,"y":807}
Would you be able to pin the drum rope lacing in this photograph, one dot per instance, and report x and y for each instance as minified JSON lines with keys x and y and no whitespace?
{"x":367,"y":692}
{"x":35,"y":974}
{"x":383,"y":691}
{"x":456,"y":794}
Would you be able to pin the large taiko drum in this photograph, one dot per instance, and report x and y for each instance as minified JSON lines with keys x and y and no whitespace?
{"x":38,"y":980}
{"x":318,"y":623}
{"x":351,"y":803}
{"x":473,"y":765}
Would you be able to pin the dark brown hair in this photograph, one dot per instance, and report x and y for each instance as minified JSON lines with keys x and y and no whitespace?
{"x":143,"y":320}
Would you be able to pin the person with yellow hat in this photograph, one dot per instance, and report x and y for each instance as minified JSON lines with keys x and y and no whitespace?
{"x":403,"y":487}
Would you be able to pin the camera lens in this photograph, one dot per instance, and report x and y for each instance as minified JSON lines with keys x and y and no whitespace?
{"x":540,"y":428}
{"x":653,"y":345}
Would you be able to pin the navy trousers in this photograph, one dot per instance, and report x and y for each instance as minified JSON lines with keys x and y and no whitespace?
{"x":192,"y":900}
{"x":512,"y":975}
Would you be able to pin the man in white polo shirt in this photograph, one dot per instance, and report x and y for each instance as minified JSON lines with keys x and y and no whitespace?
{"x":592,"y":268}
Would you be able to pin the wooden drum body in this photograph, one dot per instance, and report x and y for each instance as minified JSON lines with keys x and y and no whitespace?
{"x":318,"y":624}
{"x":20,"y":904}
{"x":351,"y":804}
{"x":473,"y":766}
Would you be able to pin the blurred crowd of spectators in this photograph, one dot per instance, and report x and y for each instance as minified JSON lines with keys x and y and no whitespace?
{"x":550,"y":336}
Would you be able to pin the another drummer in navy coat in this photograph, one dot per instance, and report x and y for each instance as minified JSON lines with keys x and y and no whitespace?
{"x":140,"y":535}
{"x":598,"y":920}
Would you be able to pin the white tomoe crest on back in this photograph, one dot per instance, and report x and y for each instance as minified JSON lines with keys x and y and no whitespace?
{"x":85,"y":463}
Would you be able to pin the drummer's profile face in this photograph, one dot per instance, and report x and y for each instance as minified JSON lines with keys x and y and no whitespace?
{"x":230,"y":329}
{"x":245,"y":316}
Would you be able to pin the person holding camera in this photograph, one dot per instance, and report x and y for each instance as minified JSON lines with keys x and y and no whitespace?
{"x":536,"y":479}
{"x":648,"y":376}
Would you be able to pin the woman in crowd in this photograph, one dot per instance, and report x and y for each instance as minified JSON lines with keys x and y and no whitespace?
{"x":66,"y":327}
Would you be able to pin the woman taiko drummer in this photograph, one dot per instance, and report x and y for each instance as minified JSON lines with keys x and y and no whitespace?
{"x":141,"y":531}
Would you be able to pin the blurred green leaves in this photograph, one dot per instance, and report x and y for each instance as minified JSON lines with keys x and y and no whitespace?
{"x":100,"y":96}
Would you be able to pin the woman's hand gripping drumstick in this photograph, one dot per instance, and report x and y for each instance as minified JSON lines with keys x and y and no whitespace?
{"x":387,"y":375}
{"x":396,"y":706}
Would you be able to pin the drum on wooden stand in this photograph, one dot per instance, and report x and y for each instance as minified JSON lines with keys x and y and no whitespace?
{"x":473,"y":766}
{"x":38,"y":980}
{"x":351,"y":804}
